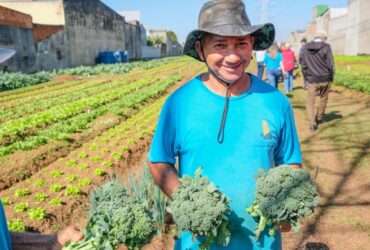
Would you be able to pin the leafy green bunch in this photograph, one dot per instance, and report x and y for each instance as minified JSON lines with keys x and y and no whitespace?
{"x":115,"y":218}
{"x":198,"y":206}
{"x":283,"y":195}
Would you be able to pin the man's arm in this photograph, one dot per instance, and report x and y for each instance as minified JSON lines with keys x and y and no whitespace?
{"x":330,"y":62}
{"x":35,"y":241}
{"x":165,"y":176}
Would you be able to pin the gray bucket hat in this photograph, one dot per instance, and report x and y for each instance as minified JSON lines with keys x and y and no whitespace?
{"x":228,"y":18}
{"x":6,"y":54}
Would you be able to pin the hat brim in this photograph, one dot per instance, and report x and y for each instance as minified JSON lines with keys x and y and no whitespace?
{"x":6,"y":54}
{"x":264,"y":36}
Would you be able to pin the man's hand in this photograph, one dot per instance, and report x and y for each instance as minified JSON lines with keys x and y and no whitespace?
{"x":69,"y":234}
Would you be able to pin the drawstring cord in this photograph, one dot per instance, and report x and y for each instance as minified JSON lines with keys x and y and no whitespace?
{"x":221,"y":130}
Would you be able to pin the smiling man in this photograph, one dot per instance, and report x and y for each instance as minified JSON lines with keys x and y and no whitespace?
{"x":227,"y":121}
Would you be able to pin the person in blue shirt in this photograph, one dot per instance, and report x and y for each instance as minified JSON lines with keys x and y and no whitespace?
{"x":273,"y":61}
{"x":227,"y":121}
{"x":34,"y":241}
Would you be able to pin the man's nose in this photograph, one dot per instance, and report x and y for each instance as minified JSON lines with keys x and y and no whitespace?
{"x":232,"y":57}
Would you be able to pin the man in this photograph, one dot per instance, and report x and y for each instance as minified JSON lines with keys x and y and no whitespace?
{"x":31,"y":241}
{"x":226,"y":121}
{"x":318,"y":71}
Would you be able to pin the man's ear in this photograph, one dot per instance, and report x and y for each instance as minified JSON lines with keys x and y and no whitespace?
{"x":253,"y":40}
{"x":198,"y":48}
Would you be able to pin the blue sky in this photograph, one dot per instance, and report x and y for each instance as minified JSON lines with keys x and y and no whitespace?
{"x":181,"y":15}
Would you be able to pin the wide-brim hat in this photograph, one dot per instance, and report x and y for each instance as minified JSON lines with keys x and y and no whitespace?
{"x":228,"y":18}
{"x":6,"y":54}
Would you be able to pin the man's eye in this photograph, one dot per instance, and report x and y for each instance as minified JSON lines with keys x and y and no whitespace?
{"x":220,"y":46}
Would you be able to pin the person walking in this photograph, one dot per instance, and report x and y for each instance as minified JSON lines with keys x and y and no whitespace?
{"x":260,"y":57}
{"x":226,"y":120}
{"x":273,"y":63}
{"x":318,"y":71}
{"x":288,"y":65}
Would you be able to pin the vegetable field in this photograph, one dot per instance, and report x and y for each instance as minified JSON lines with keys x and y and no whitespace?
{"x":60,"y":139}
{"x":64,"y":133}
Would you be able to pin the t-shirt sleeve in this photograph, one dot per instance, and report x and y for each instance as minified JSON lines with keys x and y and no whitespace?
{"x":288,"y":150}
{"x":162,"y":149}
{"x":4,"y":233}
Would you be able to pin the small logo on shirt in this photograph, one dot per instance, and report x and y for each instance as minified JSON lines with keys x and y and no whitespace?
{"x":266,"y":132}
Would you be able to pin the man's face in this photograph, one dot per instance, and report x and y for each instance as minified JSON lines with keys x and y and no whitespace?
{"x":227,"y":56}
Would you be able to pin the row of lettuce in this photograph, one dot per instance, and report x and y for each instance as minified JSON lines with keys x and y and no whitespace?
{"x":9,"y":81}
{"x":353,"y":72}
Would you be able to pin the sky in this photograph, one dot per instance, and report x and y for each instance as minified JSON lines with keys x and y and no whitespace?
{"x":181,"y":16}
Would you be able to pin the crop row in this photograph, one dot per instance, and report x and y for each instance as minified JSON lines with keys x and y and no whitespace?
{"x":31,"y":107}
{"x":64,"y":128}
{"x":58,"y":86}
{"x":353,"y":80}
{"x":69,"y":179}
{"x":9,"y":81}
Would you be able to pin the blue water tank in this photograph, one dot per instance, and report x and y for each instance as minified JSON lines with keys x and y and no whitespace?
{"x":109,"y":57}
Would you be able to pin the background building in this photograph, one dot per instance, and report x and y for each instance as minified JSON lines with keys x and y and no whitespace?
{"x":51,"y":34}
{"x":348,"y":28}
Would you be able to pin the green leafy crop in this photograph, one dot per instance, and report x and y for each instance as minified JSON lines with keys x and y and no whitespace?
{"x":283,"y":195}
{"x":198,"y":206}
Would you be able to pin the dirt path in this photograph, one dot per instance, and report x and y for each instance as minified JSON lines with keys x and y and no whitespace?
{"x":338,"y":156}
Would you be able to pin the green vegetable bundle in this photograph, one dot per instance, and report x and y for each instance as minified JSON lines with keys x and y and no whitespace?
{"x":283,"y":195}
{"x":200,"y":208}
{"x":116,"y":218}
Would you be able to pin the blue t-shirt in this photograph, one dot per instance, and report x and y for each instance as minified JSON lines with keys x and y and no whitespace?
{"x":4,"y":233}
{"x":259,"y":133}
{"x":273,"y":63}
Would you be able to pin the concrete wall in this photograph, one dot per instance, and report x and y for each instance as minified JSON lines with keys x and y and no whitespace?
{"x":364,"y":28}
{"x":91,"y":27}
{"x":133,"y":40}
{"x":337,"y":34}
{"x":150,"y":52}
{"x":348,"y":29}
{"x":52,"y":53}
{"x":19,"y":39}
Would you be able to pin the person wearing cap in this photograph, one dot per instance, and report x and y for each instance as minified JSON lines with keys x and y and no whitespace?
{"x":31,"y":241}
{"x":227,"y":121}
{"x":317,"y":64}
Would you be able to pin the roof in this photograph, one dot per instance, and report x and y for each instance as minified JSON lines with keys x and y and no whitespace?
{"x":48,"y":12}
{"x":321,"y":10}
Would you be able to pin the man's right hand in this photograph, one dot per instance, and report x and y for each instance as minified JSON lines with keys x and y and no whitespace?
{"x":69,"y":234}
